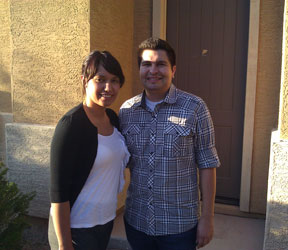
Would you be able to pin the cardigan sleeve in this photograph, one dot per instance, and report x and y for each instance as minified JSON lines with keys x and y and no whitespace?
{"x":61,"y":161}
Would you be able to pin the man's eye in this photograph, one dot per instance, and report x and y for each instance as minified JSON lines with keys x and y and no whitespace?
{"x":145,"y":64}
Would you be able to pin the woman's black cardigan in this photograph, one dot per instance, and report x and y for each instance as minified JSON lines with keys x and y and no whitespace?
{"x":73,"y":152}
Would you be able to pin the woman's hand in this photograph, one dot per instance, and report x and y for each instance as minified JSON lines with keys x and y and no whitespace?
{"x":60,"y":213}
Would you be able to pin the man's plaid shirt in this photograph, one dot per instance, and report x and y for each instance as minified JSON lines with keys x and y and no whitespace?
{"x":165,"y":146}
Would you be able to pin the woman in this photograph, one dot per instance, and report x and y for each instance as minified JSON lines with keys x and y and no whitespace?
{"x":88,"y":157}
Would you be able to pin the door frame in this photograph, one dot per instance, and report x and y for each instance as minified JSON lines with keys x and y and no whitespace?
{"x":159,"y":30}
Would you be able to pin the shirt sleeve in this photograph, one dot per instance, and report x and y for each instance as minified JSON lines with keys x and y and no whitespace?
{"x":62,"y":157}
{"x":205,"y":150}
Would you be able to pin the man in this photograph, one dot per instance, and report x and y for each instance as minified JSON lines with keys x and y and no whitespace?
{"x":168,"y":132}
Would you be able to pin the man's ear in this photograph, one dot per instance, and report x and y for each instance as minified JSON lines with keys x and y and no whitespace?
{"x":173,"y":71}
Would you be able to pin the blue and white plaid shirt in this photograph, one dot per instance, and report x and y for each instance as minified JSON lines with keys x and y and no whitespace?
{"x":166,"y":145}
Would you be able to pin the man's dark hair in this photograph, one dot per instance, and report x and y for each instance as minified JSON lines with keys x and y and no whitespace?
{"x":157,"y":44}
{"x":92,"y":63}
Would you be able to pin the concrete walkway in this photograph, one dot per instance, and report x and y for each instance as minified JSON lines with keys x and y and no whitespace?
{"x":231,"y":233}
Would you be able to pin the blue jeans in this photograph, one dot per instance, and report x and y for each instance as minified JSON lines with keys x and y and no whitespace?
{"x":141,"y":241}
{"x":94,"y":238}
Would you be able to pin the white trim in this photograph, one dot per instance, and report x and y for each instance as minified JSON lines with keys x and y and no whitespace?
{"x":251,"y":81}
{"x":159,"y":18}
{"x":159,"y":30}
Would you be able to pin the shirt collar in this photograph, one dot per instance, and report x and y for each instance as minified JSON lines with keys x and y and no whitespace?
{"x":170,"y":98}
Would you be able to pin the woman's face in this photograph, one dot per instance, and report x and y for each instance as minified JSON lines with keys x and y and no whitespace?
{"x":103,"y":89}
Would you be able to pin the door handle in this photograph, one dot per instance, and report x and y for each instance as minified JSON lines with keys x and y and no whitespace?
{"x":204,"y":52}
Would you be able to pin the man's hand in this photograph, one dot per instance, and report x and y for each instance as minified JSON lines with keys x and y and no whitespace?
{"x":205,"y":230}
{"x":206,"y":223}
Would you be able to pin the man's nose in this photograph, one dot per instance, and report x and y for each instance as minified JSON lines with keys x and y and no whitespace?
{"x":153,"y":69}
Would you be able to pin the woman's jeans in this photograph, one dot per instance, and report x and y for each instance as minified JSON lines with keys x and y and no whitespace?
{"x":94,"y":238}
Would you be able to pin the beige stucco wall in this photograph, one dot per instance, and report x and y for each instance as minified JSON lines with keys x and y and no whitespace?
{"x":111,"y":28}
{"x":5,"y":58}
{"x":283,"y":122}
{"x":142,"y":30}
{"x":49,"y":41}
{"x":267,"y":97}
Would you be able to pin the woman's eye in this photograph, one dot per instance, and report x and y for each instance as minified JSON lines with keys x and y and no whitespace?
{"x":99,"y":80}
{"x":115,"y":81}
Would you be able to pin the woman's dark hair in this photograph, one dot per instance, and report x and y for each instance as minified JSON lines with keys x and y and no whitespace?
{"x":92,"y":62}
{"x":157,"y":44}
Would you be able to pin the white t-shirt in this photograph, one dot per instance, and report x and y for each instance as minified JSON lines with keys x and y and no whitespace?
{"x":151,"y":104}
{"x":97,"y":202}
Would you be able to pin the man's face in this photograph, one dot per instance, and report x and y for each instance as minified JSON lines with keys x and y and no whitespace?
{"x":156,"y":73}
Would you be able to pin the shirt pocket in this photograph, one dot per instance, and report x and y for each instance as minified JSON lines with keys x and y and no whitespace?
{"x":178,"y":141}
{"x":132,"y":136}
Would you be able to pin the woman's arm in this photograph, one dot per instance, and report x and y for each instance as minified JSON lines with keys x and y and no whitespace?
{"x":61,"y":219}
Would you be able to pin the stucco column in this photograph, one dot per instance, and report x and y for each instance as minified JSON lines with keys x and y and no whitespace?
{"x":283,"y":121}
{"x":276,"y":228}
